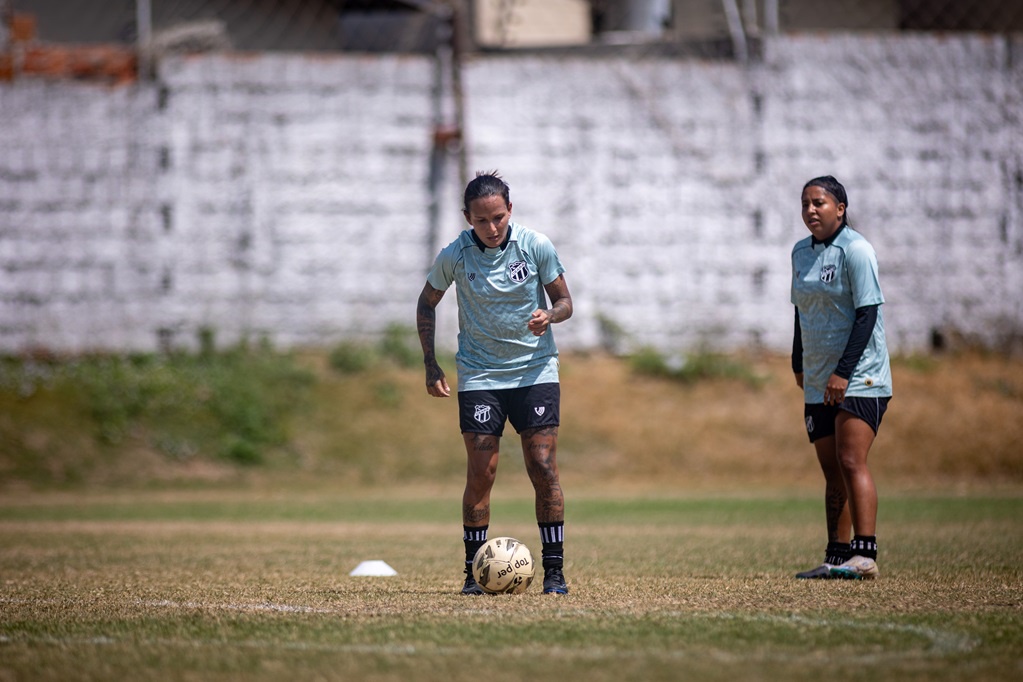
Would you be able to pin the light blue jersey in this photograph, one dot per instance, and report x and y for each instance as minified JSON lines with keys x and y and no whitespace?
{"x":498,"y":290}
{"x":830,"y":281}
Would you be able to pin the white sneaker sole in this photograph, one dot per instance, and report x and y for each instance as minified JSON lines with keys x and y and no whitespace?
{"x":857,"y":568}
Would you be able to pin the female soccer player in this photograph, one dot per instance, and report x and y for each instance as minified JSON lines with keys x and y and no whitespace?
{"x":507,"y":361}
{"x":840,"y":360}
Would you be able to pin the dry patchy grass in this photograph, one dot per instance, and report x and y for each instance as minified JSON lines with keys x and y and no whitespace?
{"x":201,"y":586}
{"x":953,"y":420}
{"x":956,"y":421}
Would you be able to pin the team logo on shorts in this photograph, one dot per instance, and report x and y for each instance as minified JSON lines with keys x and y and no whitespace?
{"x":827,"y":273}
{"x":472,"y":276}
{"x":539,"y":410}
{"x":482,"y":413}
{"x":809,"y":424}
{"x":518,"y":271}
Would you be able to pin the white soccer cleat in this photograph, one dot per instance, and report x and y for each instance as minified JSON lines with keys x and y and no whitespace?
{"x":857,"y":568}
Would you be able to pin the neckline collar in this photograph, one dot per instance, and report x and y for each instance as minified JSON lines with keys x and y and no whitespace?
{"x":483,"y":247}
{"x":814,"y":241}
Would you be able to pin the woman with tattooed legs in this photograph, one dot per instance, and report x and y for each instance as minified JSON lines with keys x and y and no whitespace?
{"x":507,"y":361}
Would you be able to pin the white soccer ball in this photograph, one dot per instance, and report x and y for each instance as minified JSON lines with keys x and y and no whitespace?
{"x":503,"y":566}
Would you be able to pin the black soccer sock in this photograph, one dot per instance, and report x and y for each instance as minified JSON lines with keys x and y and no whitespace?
{"x":864,"y":545}
{"x":552,"y":539}
{"x":474,"y":537}
{"x":837,"y":553}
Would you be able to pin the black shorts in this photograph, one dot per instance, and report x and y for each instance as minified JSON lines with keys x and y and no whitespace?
{"x":820,"y":418}
{"x":529,"y":407}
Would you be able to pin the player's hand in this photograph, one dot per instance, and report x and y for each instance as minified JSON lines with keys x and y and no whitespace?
{"x":436,"y":383}
{"x":799,"y":379}
{"x":539,"y":321}
{"x":834,"y":392}
{"x":439,"y":389}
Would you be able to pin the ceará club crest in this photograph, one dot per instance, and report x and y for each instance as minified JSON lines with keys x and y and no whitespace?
{"x":518,"y":271}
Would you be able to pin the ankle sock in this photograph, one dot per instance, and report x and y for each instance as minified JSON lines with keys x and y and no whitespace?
{"x":552,"y":539}
{"x":864,"y":545}
{"x":837,"y":553}
{"x":474,"y":537}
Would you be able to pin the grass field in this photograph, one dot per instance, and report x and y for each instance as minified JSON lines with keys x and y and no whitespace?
{"x":197,"y":518}
{"x":254,"y":585}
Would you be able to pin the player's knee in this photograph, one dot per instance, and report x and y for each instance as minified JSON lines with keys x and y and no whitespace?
{"x":481,"y":479}
{"x":543,"y":473}
{"x":852,"y":460}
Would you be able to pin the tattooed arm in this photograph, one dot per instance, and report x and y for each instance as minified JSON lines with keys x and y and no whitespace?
{"x":560,"y":310}
{"x":426,"y":323}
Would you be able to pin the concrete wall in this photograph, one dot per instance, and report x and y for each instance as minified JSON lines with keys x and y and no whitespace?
{"x":286,"y":196}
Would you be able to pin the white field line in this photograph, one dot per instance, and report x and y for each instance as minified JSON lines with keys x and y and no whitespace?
{"x":260,"y":606}
{"x":815,"y":656}
{"x":942,"y":642}
{"x":268,"y":645}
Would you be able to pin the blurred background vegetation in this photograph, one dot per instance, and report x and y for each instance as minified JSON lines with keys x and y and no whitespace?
{"x":357,"y":414}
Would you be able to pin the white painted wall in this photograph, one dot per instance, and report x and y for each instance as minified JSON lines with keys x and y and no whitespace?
{"x":286,"y":196}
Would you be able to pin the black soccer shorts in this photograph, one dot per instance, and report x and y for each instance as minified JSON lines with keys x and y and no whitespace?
{"x":820,"y":418}
{"x":528,"y":407}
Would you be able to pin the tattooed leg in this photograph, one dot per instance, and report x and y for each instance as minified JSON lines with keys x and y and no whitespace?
{"x":836,"y":498}
{"x":540,"y":448}
{"x":482,"y":454}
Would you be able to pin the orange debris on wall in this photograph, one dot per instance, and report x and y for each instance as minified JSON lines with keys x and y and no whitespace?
{"x":25,"y":56}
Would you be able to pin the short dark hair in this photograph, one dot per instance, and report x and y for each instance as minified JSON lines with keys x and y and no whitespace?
{"x":486,"y":184}
{"x":829,"y":184}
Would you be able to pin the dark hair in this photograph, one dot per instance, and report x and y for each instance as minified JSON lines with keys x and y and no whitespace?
{"x":486,"y":184}
{"x":829,"y":184}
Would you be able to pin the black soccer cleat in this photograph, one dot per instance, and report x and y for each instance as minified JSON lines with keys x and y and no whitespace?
{"x":471,"y":586}
{"x":822,"y":572}
{"x":554,"y":581}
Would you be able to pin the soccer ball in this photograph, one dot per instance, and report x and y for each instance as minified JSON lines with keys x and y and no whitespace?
{"x":503,"y":566}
